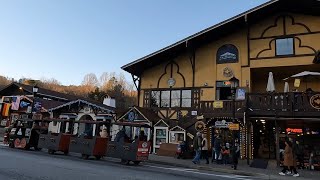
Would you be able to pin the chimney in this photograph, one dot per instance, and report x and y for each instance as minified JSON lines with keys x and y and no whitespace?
{"x":109,"y":101}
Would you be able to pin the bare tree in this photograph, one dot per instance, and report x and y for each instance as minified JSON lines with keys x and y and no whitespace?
{"x":90,"y":80}
{"x":4,"y":81}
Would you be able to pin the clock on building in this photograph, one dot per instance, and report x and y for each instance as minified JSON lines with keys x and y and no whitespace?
{"x":171,"y":82}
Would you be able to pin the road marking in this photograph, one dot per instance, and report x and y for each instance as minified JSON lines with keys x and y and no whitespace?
{"x":194,"y":171}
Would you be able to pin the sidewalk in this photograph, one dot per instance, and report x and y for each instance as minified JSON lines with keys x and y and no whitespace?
{"x":270,"y":173}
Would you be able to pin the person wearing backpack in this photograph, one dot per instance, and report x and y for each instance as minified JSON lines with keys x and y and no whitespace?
{"x":197,"y":145}
{"x":204,"y":151}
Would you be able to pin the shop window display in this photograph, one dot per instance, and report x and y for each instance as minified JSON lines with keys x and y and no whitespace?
{"x":161,"y":136}
{"x":176,"y":137}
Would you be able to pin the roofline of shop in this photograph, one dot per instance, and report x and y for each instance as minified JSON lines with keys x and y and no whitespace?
{"x":185,"y":40}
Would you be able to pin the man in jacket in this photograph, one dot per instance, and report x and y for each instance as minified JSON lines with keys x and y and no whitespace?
{"x":204,"y":151}
{"x":197,"y":148}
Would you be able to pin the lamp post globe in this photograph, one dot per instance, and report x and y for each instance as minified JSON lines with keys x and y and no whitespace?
{"x":234,"y":83}
{"x":35,"y":89}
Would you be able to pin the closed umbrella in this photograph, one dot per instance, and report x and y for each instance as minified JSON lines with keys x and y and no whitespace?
{"x":286,"y":87}
{"x":270,"y":85}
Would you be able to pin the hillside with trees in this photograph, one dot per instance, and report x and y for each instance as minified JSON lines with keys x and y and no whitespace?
{"x":108,"y":84}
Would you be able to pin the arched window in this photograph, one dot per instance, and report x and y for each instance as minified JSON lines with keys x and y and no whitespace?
{"x":227,"y":53}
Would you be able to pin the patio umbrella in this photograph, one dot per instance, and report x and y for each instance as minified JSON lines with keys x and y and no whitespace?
{"x":286,"y":87}
{"x":270,"y":85}
{"x":304,"y":75}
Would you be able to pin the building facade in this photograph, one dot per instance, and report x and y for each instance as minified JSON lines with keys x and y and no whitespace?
{"x":17,"y":101}
{"x":188,"y":83}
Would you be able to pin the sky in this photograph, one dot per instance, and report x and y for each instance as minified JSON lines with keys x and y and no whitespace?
{"x":67,"y":39}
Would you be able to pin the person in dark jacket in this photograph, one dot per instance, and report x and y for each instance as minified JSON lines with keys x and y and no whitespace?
{"x":299,"y":154}
{"x":235,"y":154}
{"x":217,"y":147}
{"x":197,"y":146}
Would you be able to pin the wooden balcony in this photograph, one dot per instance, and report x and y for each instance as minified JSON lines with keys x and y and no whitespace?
{"x":207,"y":108}
{"x":282,"y":104}
{"x":293,"y":105}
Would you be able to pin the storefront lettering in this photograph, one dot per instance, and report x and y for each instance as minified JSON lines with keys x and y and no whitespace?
{"x":291,"y":130}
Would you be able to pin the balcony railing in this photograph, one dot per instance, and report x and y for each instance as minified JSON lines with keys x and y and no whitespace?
{"x":268,"y":104}
{"x":227,"y":109}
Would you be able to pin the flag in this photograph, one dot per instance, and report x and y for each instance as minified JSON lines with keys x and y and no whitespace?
{"x":5,"y":110}
{"x":37,"y":106}
{"x":24,"y":104}
{"x":15,"y":103}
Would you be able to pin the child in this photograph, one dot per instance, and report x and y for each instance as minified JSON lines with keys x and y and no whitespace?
{"x":225,"y":155}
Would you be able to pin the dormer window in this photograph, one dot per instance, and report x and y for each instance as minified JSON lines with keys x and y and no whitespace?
{"x":284,"y":46}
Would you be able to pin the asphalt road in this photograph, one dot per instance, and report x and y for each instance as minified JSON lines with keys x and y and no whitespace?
{"x":30,"y":165}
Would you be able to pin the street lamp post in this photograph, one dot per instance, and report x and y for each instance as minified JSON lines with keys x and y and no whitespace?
{"x":234,"y":83}
{"x":35,"y":90}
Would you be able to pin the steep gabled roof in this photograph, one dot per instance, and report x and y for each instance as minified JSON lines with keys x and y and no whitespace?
{"x":52,"y":104}
{"x":222,"y":29}
{"x":147,"y":114}
{"x":88,"y":102}
{"x":42,"y":91}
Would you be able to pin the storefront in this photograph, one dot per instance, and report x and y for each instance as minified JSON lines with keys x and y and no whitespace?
{"x":305,"y":133}
{"x":221,"y":126}
{"x":177,"y":135}
{"x":161,"y":131}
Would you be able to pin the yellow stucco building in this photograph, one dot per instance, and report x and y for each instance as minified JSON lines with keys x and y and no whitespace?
{"x":188,"y":81}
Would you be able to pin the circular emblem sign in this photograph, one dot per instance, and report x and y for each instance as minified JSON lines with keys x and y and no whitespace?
{"x":200,"y":126}
{"x":144,"y":145}
{"x":131,"y":116}
{"x":227,"y":72}
{"x":315,"y":101}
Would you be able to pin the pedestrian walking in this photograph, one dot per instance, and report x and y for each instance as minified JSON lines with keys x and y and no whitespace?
{"x":225,"y":155}
{"x":235,"y":154}
{"x":299,"y":154}
{"x":217,"y":148}
{"x":197,"y":148}
{"x":289,"y":161}
{"x":204,"y":151}
{"x":213,"y":153}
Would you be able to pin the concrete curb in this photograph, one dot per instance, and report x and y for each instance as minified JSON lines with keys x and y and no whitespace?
{"x":206,"y":168}
{"x":228,"y":171}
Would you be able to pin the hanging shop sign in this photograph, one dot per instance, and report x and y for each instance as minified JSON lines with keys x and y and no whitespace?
{"x":190,"y":135}
{"x":234,"y":127}
{"x":218,"y":104}
{"x":199,"y":126}
{"x":315,"y":101}
{"x":37,"y":106}
{"x":241,"y":93}
{"x":227,"y":53}
{"x":194,"y":113}
{"x":222,"y":124}
{"x":296,"y":83}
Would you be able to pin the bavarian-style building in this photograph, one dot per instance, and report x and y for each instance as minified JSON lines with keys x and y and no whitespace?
{"x":188,"y":86}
